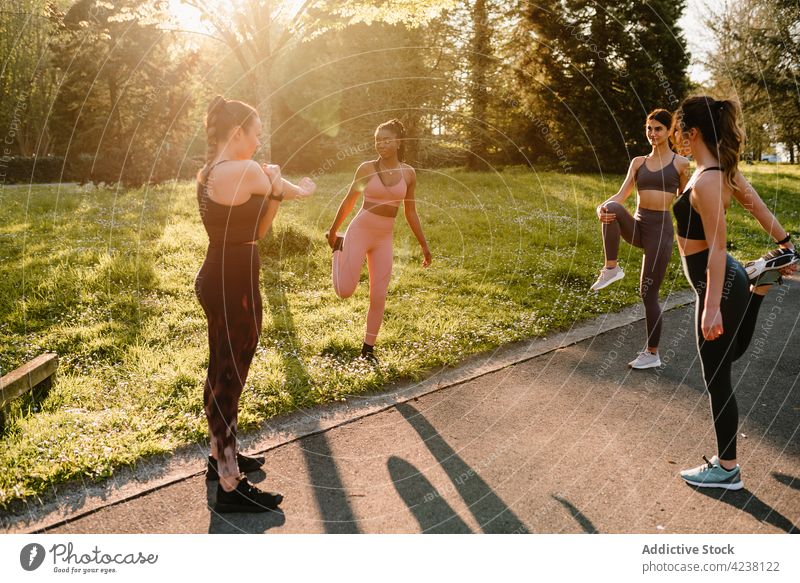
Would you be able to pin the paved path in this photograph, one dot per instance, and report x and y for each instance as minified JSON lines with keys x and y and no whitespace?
{"x":569,"y":441}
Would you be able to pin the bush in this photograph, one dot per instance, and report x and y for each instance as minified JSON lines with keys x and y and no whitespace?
{"x":33,"y":169}
{"x":85,"y":168}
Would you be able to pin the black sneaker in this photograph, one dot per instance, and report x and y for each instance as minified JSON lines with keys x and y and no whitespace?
{"x":246,"y":498}
{"x":368,"y":352}
{"x":246,"y":464}
{"x":772,"y":261}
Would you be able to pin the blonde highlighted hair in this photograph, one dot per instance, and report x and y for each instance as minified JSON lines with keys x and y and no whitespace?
{"x":718,"y":122}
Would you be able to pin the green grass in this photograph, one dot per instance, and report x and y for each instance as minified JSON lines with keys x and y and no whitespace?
{"x":105,"y":279}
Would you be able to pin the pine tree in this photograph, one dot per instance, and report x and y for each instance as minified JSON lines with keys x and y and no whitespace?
{"x":592,"y":71}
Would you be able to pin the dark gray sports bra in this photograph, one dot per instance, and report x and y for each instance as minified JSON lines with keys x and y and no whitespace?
{"x":666,"y":180}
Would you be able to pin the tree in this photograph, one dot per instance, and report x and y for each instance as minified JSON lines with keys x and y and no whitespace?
{"x":480,"y":62}
{"x":27,"y":81}
{"x":261,"y":30}
{"x":590,"y":72}
{"x":757,"y":58}
{"x":121,"y":109}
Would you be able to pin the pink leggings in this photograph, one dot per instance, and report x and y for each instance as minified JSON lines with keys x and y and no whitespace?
{"x":368,"y":236}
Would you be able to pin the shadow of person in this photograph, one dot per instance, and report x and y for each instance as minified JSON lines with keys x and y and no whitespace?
{"x":787,"y":480}
{"x":748,"y":502}
{"x":489,"y":510}
{"x":434,"y":515}
{"x":579,"y":517}
{"x":336,"y":513}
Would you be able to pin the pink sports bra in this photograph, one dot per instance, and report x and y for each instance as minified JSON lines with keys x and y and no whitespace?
{"x":378,"y":192}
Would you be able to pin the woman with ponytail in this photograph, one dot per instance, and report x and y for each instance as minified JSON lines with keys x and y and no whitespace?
{"x":728,"y":299}
{"x":238,"y":200}
{"x":385,"y":182}
{"x":650,"y":228}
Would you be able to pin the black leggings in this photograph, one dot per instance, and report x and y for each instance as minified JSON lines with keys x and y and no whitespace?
{"x":739,"y":309}
{"x":227,"y":287}
{"x":653,"y":232}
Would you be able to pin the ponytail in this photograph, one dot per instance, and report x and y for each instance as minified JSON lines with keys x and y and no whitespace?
{"x":718,"y":122}
{"x":222,"y":117}
{"x":731,"y":138}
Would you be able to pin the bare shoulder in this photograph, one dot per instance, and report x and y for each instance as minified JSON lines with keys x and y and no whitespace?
{"x":637,"y":162}
{"x":709,"y":190}
{"x":408,"y":172}
{"x":365,"y":169}
{"x":236,"y":169}
{"x":681,"y":162}
{"x":235,"y":180}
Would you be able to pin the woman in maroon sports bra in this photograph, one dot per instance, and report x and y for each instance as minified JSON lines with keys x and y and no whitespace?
{"x":650,"y":228}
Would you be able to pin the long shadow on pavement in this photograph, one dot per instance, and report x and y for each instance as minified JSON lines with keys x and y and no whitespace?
{"x":488,"y":508}
{"x":433,"y":514}
{"x":791,"y":481}
{"x":579,"y":517}
{"x":748,"y":502}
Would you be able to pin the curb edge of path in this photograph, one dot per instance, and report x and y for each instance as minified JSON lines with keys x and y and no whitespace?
{"x":166,"y":470}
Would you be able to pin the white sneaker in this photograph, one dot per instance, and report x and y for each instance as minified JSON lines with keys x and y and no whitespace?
{"x":774,"y":260}
{"x":607,"y":277}
{"x":645,"y":359}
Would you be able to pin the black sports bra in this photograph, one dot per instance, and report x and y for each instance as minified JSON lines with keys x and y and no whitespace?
{"x":690,"y":224}
{"x":666,"y":179}
{"x":230,"y":224}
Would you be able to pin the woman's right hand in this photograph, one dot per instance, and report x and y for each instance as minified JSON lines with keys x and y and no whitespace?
{"x":332,"y":238}
{"x":306,"y":187}
{"x":711,"y":323}
{"x":604,"y":215}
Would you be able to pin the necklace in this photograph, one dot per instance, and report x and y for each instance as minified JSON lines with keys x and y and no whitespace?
{"x":389,"y":172}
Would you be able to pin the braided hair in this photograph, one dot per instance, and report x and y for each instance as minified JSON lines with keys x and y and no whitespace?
{"x":222,"y":117}
{"x":718,"y":122}
{"x":398,"y":129}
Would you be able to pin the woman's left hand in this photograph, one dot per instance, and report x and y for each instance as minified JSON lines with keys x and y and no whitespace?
{"x":427,"y":257}
{"x":273,"y":172}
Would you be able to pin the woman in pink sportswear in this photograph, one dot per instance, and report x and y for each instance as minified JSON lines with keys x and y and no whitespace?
{"x":385,"y":182}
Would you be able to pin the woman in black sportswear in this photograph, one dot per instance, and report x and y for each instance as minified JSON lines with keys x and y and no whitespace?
{"x":727,"y":300}
{"x":238,"y":200}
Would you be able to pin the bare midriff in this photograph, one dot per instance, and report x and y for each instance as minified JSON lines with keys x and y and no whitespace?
{"x":655,"y":200}
{"x":381,"y":208}
{"x":690,"y":246}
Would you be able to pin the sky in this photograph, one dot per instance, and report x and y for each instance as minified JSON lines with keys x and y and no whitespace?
{"x":698,"y":38}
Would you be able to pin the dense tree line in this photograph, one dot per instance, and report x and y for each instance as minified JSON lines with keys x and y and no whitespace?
{"x":120,"y":92}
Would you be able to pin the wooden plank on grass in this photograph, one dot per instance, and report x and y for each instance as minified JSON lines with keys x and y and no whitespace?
{"x":21,"y":380}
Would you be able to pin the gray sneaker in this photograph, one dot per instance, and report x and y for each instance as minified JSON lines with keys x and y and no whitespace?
{"x":713,"y":475}
{"x":774,"y":260}
{"x":645,"y":359}
{"x":607,"y":277}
